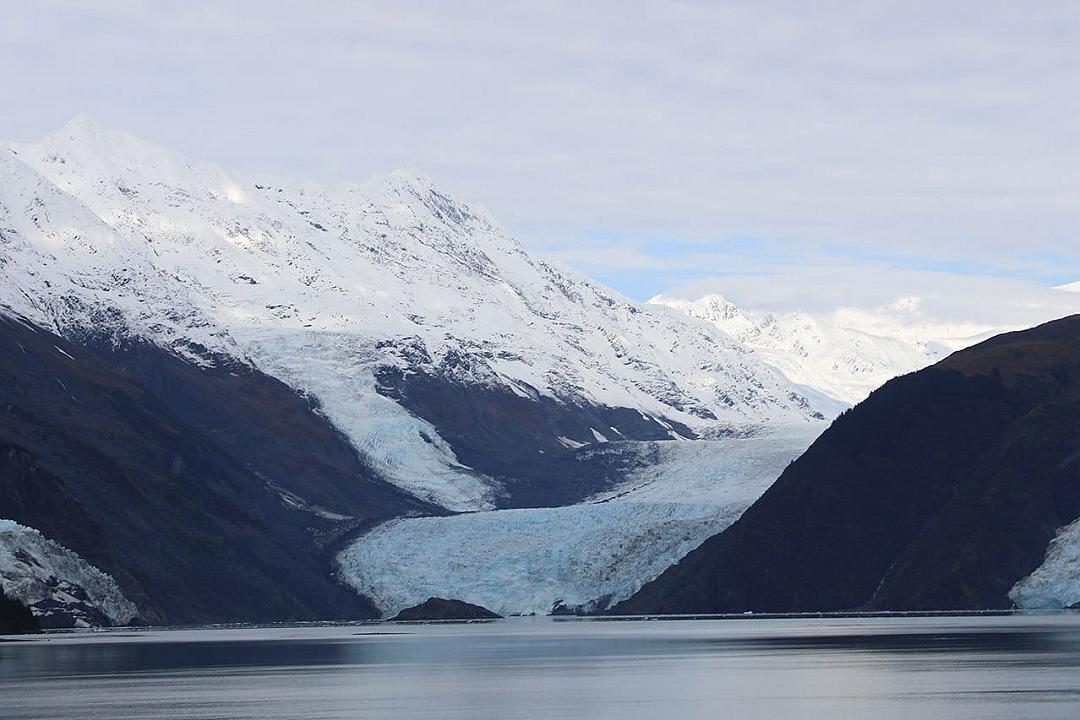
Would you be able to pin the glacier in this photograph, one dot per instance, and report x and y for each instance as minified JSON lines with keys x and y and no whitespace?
{"x":1056,"y":583}
{"x":338,"y":369}
{"x":582,"y":557}
{"x":60,"y":588}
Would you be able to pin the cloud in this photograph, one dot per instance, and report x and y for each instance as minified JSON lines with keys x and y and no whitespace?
{"x":914,"y":295}
{"x":778,"y":276}
{"x":920,"y":135}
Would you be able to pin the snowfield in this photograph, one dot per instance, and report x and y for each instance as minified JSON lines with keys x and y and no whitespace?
{"x":586,"y":556}
{"x":53,"y":581}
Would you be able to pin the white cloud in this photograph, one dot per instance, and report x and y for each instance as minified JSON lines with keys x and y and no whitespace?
{"x":893,"y":135}
{"x":909,"y":296}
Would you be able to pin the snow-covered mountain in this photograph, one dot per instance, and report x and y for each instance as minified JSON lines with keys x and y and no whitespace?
{"x":467,"y":373}
{"x":844,"y":354}
{"x":355,"y":295}
{"x":1070,"y":287}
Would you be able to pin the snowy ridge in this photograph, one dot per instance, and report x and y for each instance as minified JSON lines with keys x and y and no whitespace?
{"x":1070,"y":287}
{"x":56,"y":584}
{"x":66,"y":269}
{"x":845,"y":354}
{"x":395,"y":273}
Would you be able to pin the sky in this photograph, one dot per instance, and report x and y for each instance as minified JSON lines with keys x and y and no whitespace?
{"x":848,"y":153}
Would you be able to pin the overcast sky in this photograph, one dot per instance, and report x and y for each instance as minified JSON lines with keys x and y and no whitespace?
{"x":773,"y":152}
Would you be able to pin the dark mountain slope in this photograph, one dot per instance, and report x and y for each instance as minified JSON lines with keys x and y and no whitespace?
{"x":15,"y":618}
{"x":209,"y":493}
{"x":939,"y":491}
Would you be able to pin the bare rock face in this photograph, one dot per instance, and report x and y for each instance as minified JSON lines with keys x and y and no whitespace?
{"x":443,"y":609}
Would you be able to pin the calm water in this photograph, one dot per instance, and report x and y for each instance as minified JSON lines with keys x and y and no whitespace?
{"x":987,"y":667}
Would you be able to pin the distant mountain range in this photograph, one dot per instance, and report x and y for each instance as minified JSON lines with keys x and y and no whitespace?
{"x":842,"y":355}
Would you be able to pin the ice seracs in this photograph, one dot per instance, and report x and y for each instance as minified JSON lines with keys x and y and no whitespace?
{"x":60,"y":588}
{"x":583,"y":557}
{"x":1056,"y":583}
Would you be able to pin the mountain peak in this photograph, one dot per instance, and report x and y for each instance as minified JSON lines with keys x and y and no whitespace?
{"x":412,"y":175}
{"x":85,"y":131}
{"x":81,"y":124}
{"x":89,"y":133}
{"x":409,"y":186}
{"x":86,"y":139}
{"x":717,"y":304}
{"x":405,"y":179}
{"x":713,"y":307}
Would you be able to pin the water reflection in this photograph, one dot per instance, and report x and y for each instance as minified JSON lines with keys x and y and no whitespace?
{"x":874,"y":667}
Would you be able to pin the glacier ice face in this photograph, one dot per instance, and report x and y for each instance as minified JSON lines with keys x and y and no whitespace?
{"x":587,"y":556}
{"x":56,"y":584}
{"x":528,"y":561}
{"x":1056,"y":583}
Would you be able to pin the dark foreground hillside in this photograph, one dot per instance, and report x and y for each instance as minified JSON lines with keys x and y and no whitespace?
{"x":940,"y":491}
{"x":15,"y":618}
{"x":210,"y":493}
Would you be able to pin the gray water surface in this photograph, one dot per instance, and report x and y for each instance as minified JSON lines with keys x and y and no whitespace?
{"x":954,"y":667}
